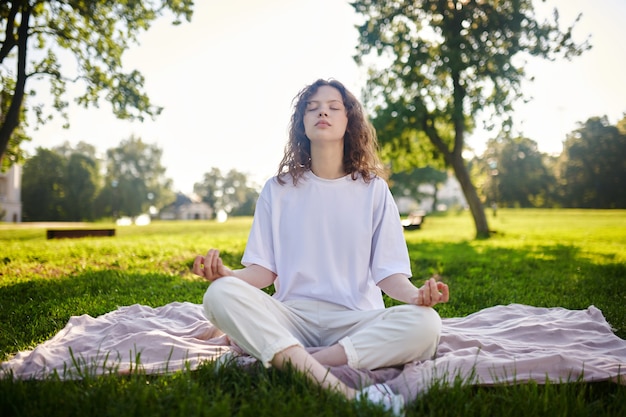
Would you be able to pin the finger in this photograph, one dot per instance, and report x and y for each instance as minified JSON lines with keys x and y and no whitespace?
{"x":209,"y":261}
{"x":220,"y":266}
{"x":210,"y":255}
{"x":432,"y":290}
{"x":445,"y":293}
{"x":197,"y":265}
{"x":216,"y":263}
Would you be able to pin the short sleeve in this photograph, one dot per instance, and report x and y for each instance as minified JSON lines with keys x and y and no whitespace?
{"x":260,"y":247}
{"x":389,"y":251}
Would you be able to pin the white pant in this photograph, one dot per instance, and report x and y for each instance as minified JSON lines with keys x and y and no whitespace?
{"x":263,"y":326}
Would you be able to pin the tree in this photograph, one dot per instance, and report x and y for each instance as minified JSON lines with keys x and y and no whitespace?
{"x":82,"y":180}
{"x":61,"y":184}
{"x":592,"y":166}
{"x":95,"y":33}
{"x":210,"y":189}
{"x":232,"y":193}
{"x":515,"y":173}
{"x":43,"y":186}
{"x":443,"y":62}
{"x":239,"y":196}
{"x":81,"y":187}
{"x":135,"y":179}
{"x":82,"y":148}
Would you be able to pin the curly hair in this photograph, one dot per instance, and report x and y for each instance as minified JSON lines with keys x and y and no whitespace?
{"x":360,"y":148}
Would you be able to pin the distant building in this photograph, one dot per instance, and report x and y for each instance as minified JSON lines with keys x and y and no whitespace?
{"x":10,"y":195}
{"x":449,"y":195}
{"x":186,"y":208}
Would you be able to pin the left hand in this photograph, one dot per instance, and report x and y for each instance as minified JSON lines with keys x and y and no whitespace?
{"x":432,"y":292}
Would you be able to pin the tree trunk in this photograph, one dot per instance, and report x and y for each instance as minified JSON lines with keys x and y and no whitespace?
{"x":455,"y":159}
{"x":12,"y":118}
{"x":471,"y":196}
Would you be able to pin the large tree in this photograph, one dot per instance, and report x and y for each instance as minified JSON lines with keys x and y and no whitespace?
{"x":96,"y":33}
{"x":443,"y":62}
{"x":592,"y":166}
{"x":515,"y":173}
{"x":135,"y":179}
{"x":43,"y":187}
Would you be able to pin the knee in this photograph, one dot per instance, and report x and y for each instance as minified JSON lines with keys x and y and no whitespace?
{"x":425,"y":329}
{"x":218,"y":294}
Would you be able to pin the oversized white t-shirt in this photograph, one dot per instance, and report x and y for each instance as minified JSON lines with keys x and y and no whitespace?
{"x":328,"y":240}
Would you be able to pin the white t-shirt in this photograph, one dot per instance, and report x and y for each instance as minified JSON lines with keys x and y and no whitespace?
{"x":328,"y":240}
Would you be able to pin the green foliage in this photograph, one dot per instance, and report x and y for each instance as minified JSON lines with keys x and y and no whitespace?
{"x":441,"y":63}
{"x":82,"y":186}
{"x":233,"y":192}
{"x":135,"y":178}
{"x":66,"y":184}
{"x":514,"y":174}
{"x":439,"y":55}
{"x":43,"y":186}
{"x":13,"y":153}
{"x":568,"y":258}
{"x":587,"y":174}
{"x":591,"y":169}
{"x":95,"y":33}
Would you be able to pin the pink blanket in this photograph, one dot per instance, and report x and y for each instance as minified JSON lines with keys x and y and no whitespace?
{"x":514,"y":343}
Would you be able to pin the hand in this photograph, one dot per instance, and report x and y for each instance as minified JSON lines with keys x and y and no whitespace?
{"x":210,"y":267}
{"x":433,"y":292}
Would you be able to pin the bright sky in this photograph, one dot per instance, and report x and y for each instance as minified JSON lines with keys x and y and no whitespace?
{"x":227,"y":80}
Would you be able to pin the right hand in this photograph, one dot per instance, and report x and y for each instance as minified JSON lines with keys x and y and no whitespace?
{"x":433,"y":292}
{"x":210,"y":266}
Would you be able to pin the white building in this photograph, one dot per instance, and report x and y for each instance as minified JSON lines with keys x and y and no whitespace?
{"x":186,"y":208}
{"x":10,"y":195}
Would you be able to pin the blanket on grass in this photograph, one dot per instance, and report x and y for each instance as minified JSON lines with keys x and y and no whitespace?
{"x":502,"y":344}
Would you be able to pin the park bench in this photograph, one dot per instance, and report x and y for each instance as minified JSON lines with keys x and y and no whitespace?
{"x":77,"y":233}
{"x":414,"y":221}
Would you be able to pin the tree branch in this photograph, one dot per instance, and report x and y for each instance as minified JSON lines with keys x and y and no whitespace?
{"x":9,"y":38}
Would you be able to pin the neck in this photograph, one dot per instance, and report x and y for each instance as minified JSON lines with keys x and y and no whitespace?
{"x":327,"y":160}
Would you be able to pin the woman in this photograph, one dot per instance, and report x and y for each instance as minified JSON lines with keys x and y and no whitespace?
{"x":327,"y":234}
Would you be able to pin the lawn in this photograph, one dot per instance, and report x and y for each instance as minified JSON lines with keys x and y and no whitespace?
{"x":568,"y":258}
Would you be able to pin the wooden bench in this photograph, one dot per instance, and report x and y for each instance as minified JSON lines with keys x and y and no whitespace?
{"x":77,"y":233}
{"x":414,"y":221}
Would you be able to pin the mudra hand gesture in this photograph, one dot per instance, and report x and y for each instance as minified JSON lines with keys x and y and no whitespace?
{"x":210,"y":266}
{"x":432,"y":292}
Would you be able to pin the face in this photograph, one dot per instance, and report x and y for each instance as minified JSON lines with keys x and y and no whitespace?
{"x":325,"y":118}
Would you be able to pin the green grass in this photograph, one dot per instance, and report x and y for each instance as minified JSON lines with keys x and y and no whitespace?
{"x":568,"y":258}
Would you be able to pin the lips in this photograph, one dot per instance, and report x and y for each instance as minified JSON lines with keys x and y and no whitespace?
{"x":322,"y":123}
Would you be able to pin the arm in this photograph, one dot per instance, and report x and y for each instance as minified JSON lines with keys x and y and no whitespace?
{"x":211,"y":267}
{"x":397,"y":286}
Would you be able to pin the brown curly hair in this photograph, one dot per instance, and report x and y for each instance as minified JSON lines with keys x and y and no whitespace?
{"x":360,"y":146}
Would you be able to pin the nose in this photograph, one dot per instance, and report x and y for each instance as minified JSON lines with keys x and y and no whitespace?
{"x":323,"y":112}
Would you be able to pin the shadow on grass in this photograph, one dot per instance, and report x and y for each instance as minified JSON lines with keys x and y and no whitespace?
{"x":33,"y":311}
{"x":546,"y":276}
